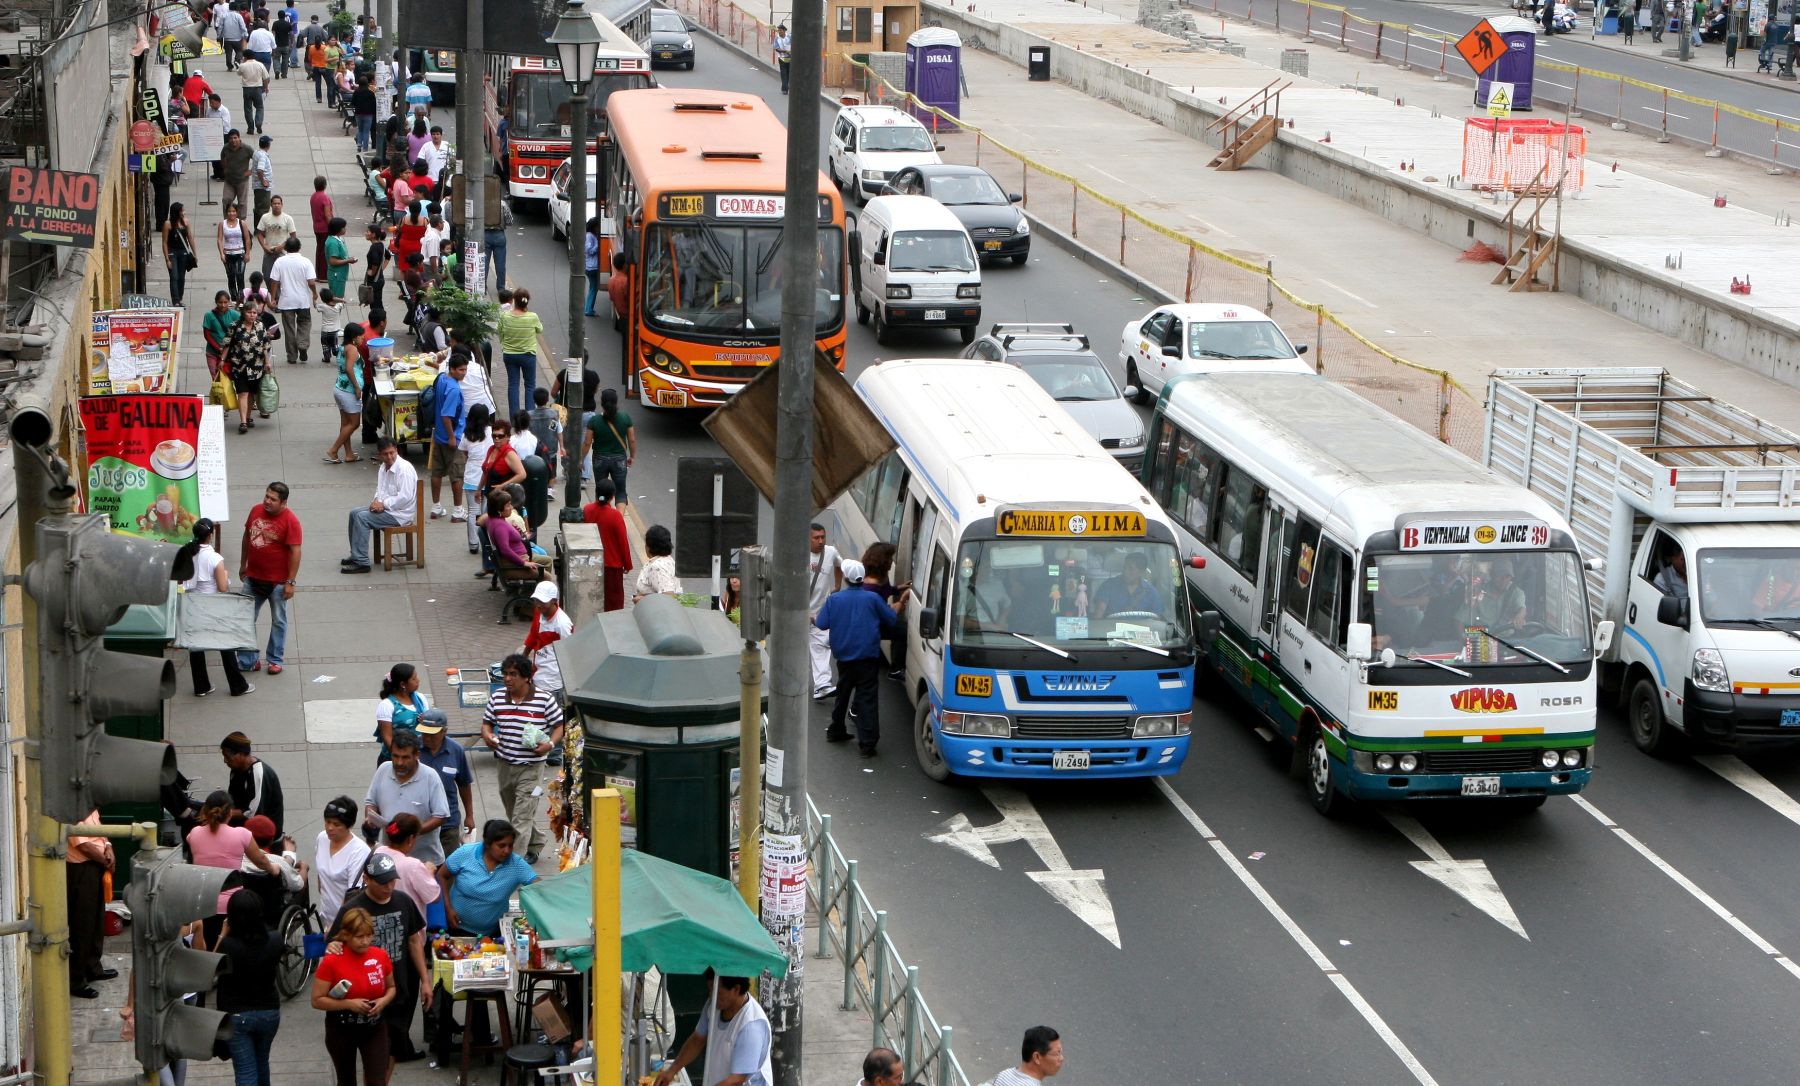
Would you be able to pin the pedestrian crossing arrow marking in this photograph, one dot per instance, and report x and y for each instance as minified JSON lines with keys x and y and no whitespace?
{"x":1081,"y":892}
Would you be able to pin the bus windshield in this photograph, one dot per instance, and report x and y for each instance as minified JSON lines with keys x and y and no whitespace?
{"x":1069,"y":594}
{"x":539,"y":104}
{"x":1749,"y":585}
{"x":1476,"y":608}
{"x":726,"y":279}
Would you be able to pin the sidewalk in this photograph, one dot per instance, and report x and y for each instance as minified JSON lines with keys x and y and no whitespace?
{"x":312,"y":723}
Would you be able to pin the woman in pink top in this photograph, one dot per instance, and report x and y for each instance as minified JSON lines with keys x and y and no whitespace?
{"x":416,"y":876}
{"x":212,"y":843}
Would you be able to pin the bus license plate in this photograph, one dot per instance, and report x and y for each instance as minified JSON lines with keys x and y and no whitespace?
{"x":1071,"y":759}
{"x":990,"y":245}
{"x":1481,"y":786}
{"x":671,"y":397}
{"x":934,"y":314}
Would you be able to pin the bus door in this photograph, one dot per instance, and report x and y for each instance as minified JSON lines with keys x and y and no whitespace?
{"x":1278,"y":542}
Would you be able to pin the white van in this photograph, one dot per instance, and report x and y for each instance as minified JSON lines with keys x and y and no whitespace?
{"x":870,"y":143}
{"x":914,"y":266}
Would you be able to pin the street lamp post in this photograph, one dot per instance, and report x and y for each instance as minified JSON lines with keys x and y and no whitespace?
{"x":577,"y":42}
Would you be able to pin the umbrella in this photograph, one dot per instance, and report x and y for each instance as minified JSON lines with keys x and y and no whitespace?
{"x":674,"y":918}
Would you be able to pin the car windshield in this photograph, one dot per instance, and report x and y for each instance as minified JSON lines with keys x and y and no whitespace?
{"x":1749,"y":584}
{"x":931,"y":250}
{"x":1070,"y":378}
{"x":664,"y":19}
{"x":561,"y":181}
{"x":1237,"y":339}
{"x":895,"y":137}
{"x":1070,"y":594}
{"x":540,"y":102}
{"x":726,"y":279}
{"x":1478,"y":608}
{"x":965,"y":188}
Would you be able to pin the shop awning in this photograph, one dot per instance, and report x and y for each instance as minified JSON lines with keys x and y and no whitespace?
{"x":674,"y":918}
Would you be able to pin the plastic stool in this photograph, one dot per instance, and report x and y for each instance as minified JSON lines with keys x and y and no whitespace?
{"x":525,"y":1059}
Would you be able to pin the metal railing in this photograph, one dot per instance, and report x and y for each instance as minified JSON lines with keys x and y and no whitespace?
{"x":876,"y":977}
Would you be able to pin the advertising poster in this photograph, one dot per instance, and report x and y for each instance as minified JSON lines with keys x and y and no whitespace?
{"x":628,"y":817}
{"x":783,"y":875}
{"x":133,"y":350}
{"x":144,"y":463}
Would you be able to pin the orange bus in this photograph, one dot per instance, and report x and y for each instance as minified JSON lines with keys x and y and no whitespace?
{"x":698,"y":184}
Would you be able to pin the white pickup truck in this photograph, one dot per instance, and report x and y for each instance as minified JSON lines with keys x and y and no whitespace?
{"x":1688,"y":511}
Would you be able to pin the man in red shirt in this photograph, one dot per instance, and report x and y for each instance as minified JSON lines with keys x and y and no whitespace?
{"x":270,"y":568}
{"x":196,"y":92}
{"x":615,"y":545}
{"x":322,"y":211}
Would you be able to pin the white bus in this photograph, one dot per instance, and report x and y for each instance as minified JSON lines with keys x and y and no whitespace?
{"x":1049,"y":636}
{"x":1413,"y":625}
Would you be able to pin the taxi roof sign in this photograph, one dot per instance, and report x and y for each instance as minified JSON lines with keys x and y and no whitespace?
{"x":1093,"y":523}
{"x":1481,"y":46}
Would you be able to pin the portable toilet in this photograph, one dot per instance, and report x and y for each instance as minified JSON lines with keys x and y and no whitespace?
{"x":934,"y":71}
{"x":1516,"y":61}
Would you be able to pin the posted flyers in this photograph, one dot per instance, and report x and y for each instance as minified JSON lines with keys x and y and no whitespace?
{"x":144,"y":463}
{"x":133,"y":350}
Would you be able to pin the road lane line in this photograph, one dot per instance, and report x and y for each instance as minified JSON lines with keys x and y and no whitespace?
{"x":1347,"y":294}
{"x":1300,"y":938}
{"x":1734,"y":770}
{"x":1712,"y":904}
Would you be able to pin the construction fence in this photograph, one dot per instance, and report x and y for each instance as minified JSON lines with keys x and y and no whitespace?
{"x":1171,"y":262}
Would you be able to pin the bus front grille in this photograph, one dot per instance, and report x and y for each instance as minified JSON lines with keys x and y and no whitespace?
{"x":1072,"y":727}
{"x":1507,"y":760}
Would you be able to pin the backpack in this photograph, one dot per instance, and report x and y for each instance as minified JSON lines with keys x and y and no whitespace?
{"x":427,"y":416}
{"x":426,"y":331}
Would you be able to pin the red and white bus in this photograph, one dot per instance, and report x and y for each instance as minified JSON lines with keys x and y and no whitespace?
{"x":529,"y":95}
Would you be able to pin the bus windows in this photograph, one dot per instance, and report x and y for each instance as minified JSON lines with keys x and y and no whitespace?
{"x":1240,"y":513}
{"x":1281,"y":544}
{"x":1069,"y":593}
{"x":939,"y":586}
{"x":1302,"y":560}
{"x":1465,"y":607}
{"x":1329,"y":616}
{"x":726,"y":279}
{"x":1192,"y":477}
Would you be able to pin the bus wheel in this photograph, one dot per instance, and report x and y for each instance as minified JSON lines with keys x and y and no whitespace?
{"x":862,"y":311}
{"x":1649,"y":729}
{"x":1321,"y":776}
{"x":925,"y":743}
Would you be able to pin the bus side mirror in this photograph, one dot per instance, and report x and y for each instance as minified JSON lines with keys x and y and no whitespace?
{"x":1206,"y":629}
{"x":1603,"y":637}
{"x":928,"y":624}
{"x":1359,"y":641}
{"x":1196,"y":561}
{"x":1672,"y":611}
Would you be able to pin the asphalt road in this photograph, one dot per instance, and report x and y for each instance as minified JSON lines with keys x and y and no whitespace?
{"x":1259,"y":943}
{"x":1598,"y":98}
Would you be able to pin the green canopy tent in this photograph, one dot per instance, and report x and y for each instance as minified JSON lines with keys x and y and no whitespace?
{"x":673,"y":918}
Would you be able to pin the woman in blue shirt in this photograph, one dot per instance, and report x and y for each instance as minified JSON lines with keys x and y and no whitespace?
{"x":480,"y":877}
{"x":593,"y":263}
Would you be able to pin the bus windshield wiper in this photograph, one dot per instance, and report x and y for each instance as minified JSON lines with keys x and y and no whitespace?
{"x":1040,"y":644}
{"x":1528,"y":652}
{"x":1764,"y":624}
{"x":1133,"y":644}
{"x":1436,"y":663}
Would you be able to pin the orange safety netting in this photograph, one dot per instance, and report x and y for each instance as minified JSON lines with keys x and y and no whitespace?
{"x":1515,"y":155}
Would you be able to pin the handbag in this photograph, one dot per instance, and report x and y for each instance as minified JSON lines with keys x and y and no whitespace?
{"x":224,"y":393}
{"x":268,"y":394}
{"x":365,"y":293}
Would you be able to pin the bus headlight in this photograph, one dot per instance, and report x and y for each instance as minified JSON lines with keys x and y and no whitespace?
{"x":1709,"y":671}
{"x":662,"y":360}
{"x":1408,"y":763}
{"x":1550,"y":759}
{"x":969,"y":290}
{"x":1162,"y":726}
{"x":898,"y":291}
{"x":990,"y":725}
{"x":1571,"y":758}
{"x":1384,"y":763}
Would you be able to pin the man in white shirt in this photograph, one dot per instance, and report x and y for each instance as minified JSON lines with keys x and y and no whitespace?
{"x":431,"y":245}
{"x":292,"y":280}
{"x":549,"y":624}
{"x":435,"y":154}
{"x":881,"y":1067}
{"x":396,"y":505}
{"x":255,"y":77}
{"x":824,"y":575}
{"x":261,"y":44}
{"x":262,"y":170}
{"x":1040,"y":1057}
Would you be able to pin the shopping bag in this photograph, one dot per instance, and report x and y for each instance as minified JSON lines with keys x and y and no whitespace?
{"x":268,"y":394}
{"x":224,"y":393}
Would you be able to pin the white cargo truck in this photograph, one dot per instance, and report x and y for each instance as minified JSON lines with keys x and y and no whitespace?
{"x":1687,"y":510}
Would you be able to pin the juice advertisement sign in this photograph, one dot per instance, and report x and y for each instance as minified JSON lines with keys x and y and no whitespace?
{"x":144,"y":463}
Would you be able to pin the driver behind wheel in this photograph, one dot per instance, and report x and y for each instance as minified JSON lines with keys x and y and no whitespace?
{"x":1129,"y":591}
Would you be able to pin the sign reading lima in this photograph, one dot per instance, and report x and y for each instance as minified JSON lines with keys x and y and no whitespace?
{"x":1096,"y":522}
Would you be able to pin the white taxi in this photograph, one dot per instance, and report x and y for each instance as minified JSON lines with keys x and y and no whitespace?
{"x":869,"y":144}
{"x":1198,"y":337}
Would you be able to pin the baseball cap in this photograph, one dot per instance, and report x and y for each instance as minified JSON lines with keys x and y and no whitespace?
{"x":265,"y":141}
{"x":431,"y":722}
{"x":380,"y":868}
{"x":545,"y":592}
{"x":853,"y":570}
{"x":261,"y":827}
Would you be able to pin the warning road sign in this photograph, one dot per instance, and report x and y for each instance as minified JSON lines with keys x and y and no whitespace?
{"x":1482,"y":46}
{"x":1499,"y":100}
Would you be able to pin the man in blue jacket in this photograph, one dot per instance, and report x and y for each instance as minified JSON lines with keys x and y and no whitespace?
{"x":856,"y":619}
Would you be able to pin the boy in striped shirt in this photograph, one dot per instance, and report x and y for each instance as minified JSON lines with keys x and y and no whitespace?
{"x":523,"y":726}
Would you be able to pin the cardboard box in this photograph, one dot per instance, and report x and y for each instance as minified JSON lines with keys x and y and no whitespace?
{"x":553,"y":1018}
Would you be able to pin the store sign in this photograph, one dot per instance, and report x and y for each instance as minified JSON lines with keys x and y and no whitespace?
{"x":1484,"y":699}
{"x":144,"y":463}
{"x":52,"y":207}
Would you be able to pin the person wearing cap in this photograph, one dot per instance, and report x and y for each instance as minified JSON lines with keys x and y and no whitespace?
{"x":522,"y":724}
{"x":400,"y":932}
{"x":253,"y":786}
{"x":278,"y":849}
{"x":338,"y":855}
{"x":784,"y":60}
{"x":549,"y":624}
{"x":855,"y":621}
{"x":399,"y":788}
{"x":442,"y":755}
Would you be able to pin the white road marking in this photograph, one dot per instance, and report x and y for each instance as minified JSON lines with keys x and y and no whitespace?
{"x":1658,"y":110}
{"x":1468,"y":879}
{"x":1347,"y":294}
{"x":1735,"y":771}
{"x":1712,"y":904}
{"x":1301,"y":939}
{"x":1081,"y":892}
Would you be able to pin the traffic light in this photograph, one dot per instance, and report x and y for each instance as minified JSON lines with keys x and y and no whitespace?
{"x":165,"y":896}
{"x":82,"y":580}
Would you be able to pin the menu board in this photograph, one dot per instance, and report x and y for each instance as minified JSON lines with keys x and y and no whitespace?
{"x":133,"y":350}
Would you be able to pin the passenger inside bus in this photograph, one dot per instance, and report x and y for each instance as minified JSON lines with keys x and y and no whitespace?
{"x":1502,"y":603}
{"x":1129,"y":593}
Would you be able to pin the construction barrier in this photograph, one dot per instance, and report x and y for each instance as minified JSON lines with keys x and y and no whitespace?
{"x":1523,"y":153}
{"x":1178,"y":265}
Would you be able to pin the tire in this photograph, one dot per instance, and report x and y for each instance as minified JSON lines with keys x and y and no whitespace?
{"x":690,"y":65}
{"x":883,"y":334}
{"x":1321,"y":776}
{"x":1020,"y":258}
{"x":967,"y":333}
{"x":862,"y":311}
{"x":1650,"y":730}
{"x":557,"y":235}
{"x":1142,"y":395}
{"x":294,"y":970}
{"x":931,"y":759}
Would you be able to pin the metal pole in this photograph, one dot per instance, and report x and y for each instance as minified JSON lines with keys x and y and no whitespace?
{"x":1687,"y":40}
{"x":578,"y":217}
{"x":784,"y":810}
{"x":471,"y":139}
{"x":750,"y":679}
{"x":603,"y":870}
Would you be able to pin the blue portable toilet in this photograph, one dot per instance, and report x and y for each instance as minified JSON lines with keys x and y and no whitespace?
{"x":934,"y":70}
{"x":1516,"y":61}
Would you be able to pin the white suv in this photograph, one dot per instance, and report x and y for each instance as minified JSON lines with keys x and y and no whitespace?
{"x":870,"y":143}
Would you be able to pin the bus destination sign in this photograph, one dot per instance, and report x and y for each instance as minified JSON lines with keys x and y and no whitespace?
{"x":760,"y":206}
{"x":1474,"y":535}
{"x":1108,"y":523}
